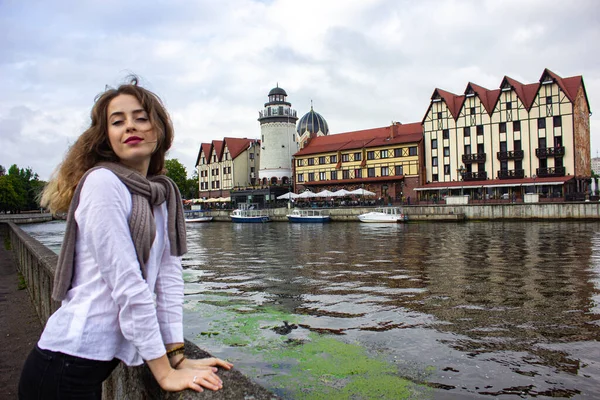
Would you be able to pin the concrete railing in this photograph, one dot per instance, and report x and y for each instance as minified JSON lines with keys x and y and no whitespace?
{"x":37,"y":265}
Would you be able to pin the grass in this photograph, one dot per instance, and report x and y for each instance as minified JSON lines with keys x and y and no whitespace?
{"x":22,"y":283}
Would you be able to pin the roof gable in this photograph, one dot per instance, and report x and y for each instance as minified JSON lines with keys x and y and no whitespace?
{"x":237,"y":145}
{"x":204,"y":149}
{"x":487,"y":97}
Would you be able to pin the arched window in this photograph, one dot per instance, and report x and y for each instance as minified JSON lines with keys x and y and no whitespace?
{"x":273,"y":181}
{"x":264,"y":181}
{"x":285,"y":180}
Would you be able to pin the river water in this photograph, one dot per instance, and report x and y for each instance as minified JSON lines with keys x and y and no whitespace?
{"x":431,"y":310}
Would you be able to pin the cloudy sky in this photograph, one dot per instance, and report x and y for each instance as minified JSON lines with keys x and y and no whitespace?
{"x":362,"y":63}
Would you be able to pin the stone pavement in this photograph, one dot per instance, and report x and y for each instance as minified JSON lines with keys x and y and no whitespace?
{"x":20,"y":327}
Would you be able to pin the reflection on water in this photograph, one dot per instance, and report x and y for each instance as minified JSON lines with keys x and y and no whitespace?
{"x":498,"y":308}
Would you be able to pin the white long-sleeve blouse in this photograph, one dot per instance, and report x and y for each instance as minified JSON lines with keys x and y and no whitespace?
{"x":110,"y":310}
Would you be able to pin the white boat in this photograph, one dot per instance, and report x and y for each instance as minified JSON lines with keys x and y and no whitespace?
{"x":196,"y":216}
{"x":250,"y":216}
{"x":308,"y":215}
{"x":384,"y":214}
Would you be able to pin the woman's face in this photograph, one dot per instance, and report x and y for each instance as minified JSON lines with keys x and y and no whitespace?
{"x":130,"y":133}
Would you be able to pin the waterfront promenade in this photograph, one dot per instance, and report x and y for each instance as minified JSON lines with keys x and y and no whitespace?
{"x":20,"y":327}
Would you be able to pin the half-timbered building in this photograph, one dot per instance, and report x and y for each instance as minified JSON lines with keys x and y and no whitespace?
{"x":382,"y":160}
{"x":226,"y":164}
{"x":503,"y":143}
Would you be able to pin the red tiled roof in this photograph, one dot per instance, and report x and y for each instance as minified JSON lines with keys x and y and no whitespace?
{"x":204,"y":148}
{"x":218,"y":148}
{"x":403,"y":133}
{"x":495,"y":182}
{"x":487,"y":97}
{"x":237,"y":145}
{"x":453,"y":101}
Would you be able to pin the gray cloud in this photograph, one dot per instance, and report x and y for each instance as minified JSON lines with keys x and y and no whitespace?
{"x":362,"y":63}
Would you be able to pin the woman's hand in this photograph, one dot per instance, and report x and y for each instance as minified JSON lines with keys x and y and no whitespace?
{"x":204,"y":363}
{"x":194,"y":379}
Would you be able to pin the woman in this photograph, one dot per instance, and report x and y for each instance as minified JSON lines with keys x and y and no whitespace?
{"x":119,"y":274}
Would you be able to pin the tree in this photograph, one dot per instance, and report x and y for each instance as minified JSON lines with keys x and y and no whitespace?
{"x":177,"y":172}
{"x":9,"y":200}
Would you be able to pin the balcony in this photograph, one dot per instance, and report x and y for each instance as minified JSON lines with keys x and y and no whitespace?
{"x":473,"y":158}
{"x":474,"y":176}
{"x":546,"y":152}
{"x":511,"y":174}
{"x":510,"y":155}
{"x":546,"y":172}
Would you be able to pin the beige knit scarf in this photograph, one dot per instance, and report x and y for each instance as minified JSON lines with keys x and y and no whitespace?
{"x":145,"y":193}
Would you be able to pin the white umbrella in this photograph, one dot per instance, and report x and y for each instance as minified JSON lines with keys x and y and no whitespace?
{"x":287,"y":196}
{"x":324,"y":193}
{"x":362,"y":192}
{"x":341,"y":193}
{"x":306,"y":195}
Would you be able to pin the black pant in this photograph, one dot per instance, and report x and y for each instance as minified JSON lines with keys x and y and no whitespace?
{"x":51,"y":375}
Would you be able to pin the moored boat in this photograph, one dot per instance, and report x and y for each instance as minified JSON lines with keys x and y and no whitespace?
{"x":250,"y":216}
{"x":192,"y":216}
{"x":384,"y":214}
{"x":308,"y":215}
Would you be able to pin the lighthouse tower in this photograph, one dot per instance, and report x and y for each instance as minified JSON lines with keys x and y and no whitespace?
{"x":278,"y":139}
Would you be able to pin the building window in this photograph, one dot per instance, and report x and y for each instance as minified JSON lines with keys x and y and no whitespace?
{"x":370,"y":155}
{"x":358,"y":173}
{"x":357,"y":156}
{"x":333,"y":175}
{"x":508,"y":105}
{"x":346,"y":174}
{"x":311,"y":176}
{"x":434,"y":161}
{"x":412,"y":151}
{"x":516,"y":126}
{"x":548,"y":99}
{"x":439,"y":115}
{"x":252,"y":156}
{"x":398,"y":152}
{"x":322,"y":176}
{"x":217,"y":184}
{"x":398,"y":170}
{"x":541,"y":123}
{"x":542,"y":143}
{"x":212,"y":184}
{"x":557,"y":121}
{"x":479,"y":130}
{"x":502,"y":127}
{"x":434,"y":178}
{"x":252,"y":169}
{"x":371,"y":172}
{"x":229,"y":170}
{"x":446,"y":151}
{"x":385,"y":171}
{"x":333,"y":159}
{"x":299,"y":163}
{"x":517,"y":145}
{"x":467,"y":131}
{"x":472,"y":110}
{"x":224,"y":170}
{"x":467,"y":149}
{"x":345,"y":157}
{"x":433,"y":144}
{"x":503,"y":146}
{"x":311,"y":161}
{"x":384,"y":154}
{"x":300,"y":177}
{"x":447,"y":169}
{"x":322,"y":160}
{"x":446,"y":134}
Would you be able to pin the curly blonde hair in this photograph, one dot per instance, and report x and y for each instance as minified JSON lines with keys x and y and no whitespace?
{"x":93,"y":145}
